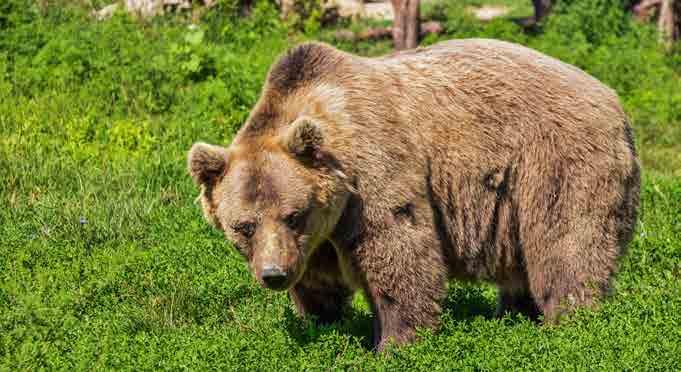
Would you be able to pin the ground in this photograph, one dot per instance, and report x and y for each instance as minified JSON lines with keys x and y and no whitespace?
{"x":107,"y":263}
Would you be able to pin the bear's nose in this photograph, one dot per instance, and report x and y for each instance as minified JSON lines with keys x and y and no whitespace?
{"x":274,"y":277}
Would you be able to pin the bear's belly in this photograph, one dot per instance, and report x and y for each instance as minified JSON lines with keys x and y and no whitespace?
{"x":480,"y":227}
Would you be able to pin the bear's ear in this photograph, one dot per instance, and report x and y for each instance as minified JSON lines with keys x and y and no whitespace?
{"x":304,"y":139}
{"x":206,"y":162}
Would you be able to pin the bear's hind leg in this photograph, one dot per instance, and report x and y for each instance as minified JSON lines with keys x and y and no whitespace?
{"x":572,"y":272}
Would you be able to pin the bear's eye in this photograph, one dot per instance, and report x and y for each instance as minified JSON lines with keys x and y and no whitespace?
{"x":245,"y":229}
{"x":295,"y":220}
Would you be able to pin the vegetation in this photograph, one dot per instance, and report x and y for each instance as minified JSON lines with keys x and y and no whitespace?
{"x":106,"y":262}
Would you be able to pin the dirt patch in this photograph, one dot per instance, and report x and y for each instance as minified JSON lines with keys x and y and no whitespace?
{"x":379,"y":10}
{"x":489,"y":12}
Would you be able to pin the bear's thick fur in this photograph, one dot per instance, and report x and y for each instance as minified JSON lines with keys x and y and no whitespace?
{"x":470,"y":159}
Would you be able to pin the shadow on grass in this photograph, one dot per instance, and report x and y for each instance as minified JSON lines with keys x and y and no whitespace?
{"x":463,"y":303}
{"x":354,"y":323}
{"x":466,"y":302}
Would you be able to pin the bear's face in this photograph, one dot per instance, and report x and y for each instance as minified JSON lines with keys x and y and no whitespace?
{"x":273,"y":198}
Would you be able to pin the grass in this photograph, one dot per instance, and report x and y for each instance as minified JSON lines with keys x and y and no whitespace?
{"x":106,"y":262}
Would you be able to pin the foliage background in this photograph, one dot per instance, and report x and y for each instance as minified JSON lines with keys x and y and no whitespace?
{"x":105,"y":261}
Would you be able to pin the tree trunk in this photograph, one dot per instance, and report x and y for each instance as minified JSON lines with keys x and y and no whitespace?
{"x":406,"y":25}
{"x":399,"y":28}
{"x":668,"y":18}
{"x":669,"y":22}
{"x":413,"y":24}
{"x":541,"y":9}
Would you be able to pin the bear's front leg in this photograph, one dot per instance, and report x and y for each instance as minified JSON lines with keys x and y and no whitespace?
{"x":321,"y":292}
{"x":405,"y":273}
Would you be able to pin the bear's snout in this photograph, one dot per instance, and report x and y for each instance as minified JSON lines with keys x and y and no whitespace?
{"x":275,"y":262}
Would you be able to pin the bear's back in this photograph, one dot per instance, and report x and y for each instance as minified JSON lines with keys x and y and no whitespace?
{"x":501,"y":81}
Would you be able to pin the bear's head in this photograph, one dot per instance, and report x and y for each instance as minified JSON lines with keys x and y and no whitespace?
{"x":276,"y":197}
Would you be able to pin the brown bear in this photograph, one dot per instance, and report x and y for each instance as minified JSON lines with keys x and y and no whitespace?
{"x":469,"y":159}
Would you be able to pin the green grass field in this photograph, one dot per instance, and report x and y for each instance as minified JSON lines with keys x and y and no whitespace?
{"x":107,"y":263}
